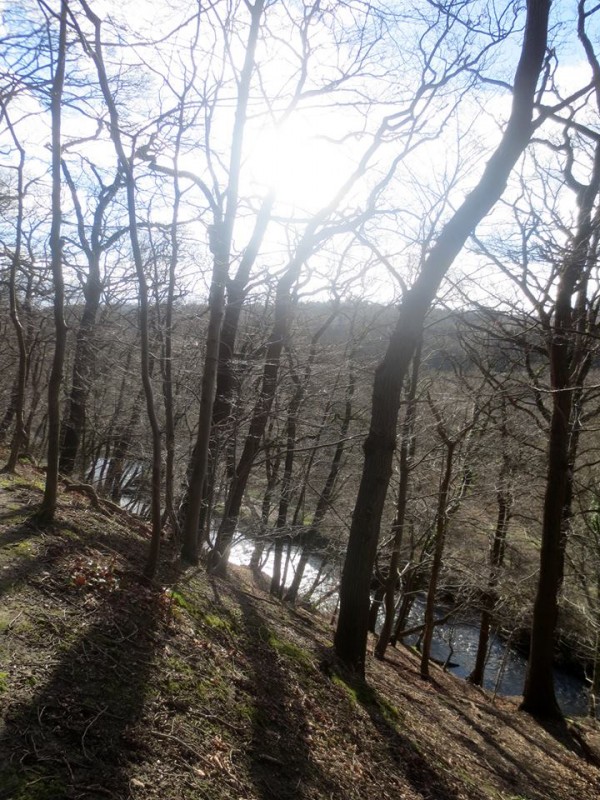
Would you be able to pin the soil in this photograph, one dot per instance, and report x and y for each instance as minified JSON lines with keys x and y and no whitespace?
{"x":204,"y":688}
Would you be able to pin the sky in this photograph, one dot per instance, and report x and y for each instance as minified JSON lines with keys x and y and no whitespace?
{"x":308,"y":151}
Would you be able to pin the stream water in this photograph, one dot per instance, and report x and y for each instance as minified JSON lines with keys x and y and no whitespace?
{"x":505,"y":667}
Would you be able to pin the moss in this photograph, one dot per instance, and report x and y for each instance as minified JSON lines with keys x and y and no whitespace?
{"x":212,"y":689}
{"x":23,"y":548}
{"x":218,"y":623}
{"x":290,"y":650}
{"x":360,"y":693}
{"x":19,"y":482}
{"x":3,"y":682}
{"x":249,"y":712}
{"x":179,"y":600}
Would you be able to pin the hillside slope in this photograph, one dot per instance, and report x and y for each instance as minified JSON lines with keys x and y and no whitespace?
{"x":203,"y":688}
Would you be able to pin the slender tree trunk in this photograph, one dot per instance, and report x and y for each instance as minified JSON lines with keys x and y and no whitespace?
{"x":406,"y":604}
{"x":283,"y":308}
{"x":199,"y":459}
{"x":272,"y":470}
{"x":489,"y":598}
{"x":406,"y":451}
{"x":17,"y":402}
{"x":327,"y":492}
{"x":277,"y":582}
{"x":351,"y":633}
{"x":441,"y":521}
{"x":84,"y":359}
{"x":497,"y":549}
{"x":121,"y":452}
{"x":539,"y":696}
{"x":286,"y":487}
{"x":220,"y":244}
{"x":83,"y":368}
{"x":48,"y":507}
{"x":127,"y":167}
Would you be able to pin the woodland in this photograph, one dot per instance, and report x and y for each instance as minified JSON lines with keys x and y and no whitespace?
{"x":318,"y":280}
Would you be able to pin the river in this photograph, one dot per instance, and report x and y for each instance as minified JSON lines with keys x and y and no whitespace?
{"x":505,"y":666}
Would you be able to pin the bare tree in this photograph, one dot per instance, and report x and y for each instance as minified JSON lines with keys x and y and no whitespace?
{"x":47,"y":509}
{"x":351,"y":633}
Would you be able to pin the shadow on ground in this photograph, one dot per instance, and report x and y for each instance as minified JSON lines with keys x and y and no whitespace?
{"x":281,"y":765}
{"x":65,"y":729}
{"x":415,"y":766}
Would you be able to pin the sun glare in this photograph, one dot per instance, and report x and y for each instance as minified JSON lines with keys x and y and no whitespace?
{"x":305,"y":169}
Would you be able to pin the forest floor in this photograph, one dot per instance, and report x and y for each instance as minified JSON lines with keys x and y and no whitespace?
{"x":209,"y":689}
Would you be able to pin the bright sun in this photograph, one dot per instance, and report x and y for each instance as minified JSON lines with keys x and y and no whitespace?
{"x":304,"y":168}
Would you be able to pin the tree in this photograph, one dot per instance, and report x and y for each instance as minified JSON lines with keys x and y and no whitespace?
{"x":94,"y":246}
{"x":126,"y":163}
{"x":18,"y":395}
{"x":47,"y":509}
{"x":568,"y":368}
{"x":406,"y":452}
{"x":351,"y":632}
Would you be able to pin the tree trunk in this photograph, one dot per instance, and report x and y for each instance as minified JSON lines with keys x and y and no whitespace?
{"x":489,"y":597}
{"x":83,"y":362}
{"x":48,"y":507}
{"x":539,"y":697}
{"x":406,"y":451}
{"x":127,"y":168}
{"x":17,"y":400}
{"x":219,"y":556}
{"x":221,"y":240}
{"x":326,"y":494}
{"x":441,"y":521}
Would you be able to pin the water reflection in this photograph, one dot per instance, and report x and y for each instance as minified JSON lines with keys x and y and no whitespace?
{"x":505,"y":667}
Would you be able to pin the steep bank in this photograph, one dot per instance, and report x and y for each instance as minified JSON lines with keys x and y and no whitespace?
{"x":202,"y":688}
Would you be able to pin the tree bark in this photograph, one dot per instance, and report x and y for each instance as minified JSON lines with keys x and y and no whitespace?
{"x":127,"y":167}
{"x":496,"y":557}
{"x":220,"y":554}
{"x":17,"y":400}
{"x":83,"y":361}
{"x":327,"y":492}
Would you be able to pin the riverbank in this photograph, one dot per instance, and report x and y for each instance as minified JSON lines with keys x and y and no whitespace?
{"x":201,"y":688}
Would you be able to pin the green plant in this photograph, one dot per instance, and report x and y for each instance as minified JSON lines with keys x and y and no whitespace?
{"x":290,"y":650}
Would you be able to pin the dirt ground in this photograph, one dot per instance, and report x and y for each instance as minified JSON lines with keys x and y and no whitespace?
{"x":202,"y":688}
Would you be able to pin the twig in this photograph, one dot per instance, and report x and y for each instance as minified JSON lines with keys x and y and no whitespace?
{"x":188,"y":747}
{"x":13,"y":620}
{"x":87,"y":727}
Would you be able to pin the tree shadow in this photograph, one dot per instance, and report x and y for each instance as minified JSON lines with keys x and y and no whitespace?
{"x":414,"y":765}
{"x":509,"y":764}
{"x":12,"y":513}
{"x":24,"y":565}
{"x":25,"y":530}
{"x":280,"y":760}
{"x":70,"y":736}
